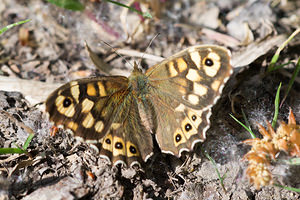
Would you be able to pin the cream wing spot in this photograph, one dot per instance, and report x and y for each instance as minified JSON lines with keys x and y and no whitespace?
{"x":193,"y":75}
{"x":195,"y":118}
{"x":91,"y":90}
{"x":73,"y":83}
{"x":188,"y":128}
{"x":181,"y":81}
{"x":88,"y":121}
{"x":214,"y":56}
{"x":68,"y":110}
{"x":181,"y":64}
{"x":115,"y":126}
{"x":178,"y":137}
{"x":59,"y":100}
{"x":102,"y":90}
{"x":180,"y":108}
{"x":195,"y":56}
{"x":214,"y":64}
{"x":59,"y":92}
{"x":73,"y":126}
{"x":75,"y":90}
{"x":132,"y":150}
{"x":193,"y":99}
{"x":216,"y":85}
{"x":107,"y":143}
{"x":173,"y":72}
{"x":181,"y":90}
{"x":99,"y":126}
{"x":118,"y":146}
{"x":87,"y":105}
{"x":199,"y":89}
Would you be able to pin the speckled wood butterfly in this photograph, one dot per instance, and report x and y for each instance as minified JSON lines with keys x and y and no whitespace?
{"x":172,"y":100}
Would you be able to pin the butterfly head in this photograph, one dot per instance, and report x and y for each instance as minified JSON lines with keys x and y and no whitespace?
{"x":136,"y":69}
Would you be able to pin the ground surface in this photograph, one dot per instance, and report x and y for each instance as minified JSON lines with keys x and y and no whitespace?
{"x":50,"y":50}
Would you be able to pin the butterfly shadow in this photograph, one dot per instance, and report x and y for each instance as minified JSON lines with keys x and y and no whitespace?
{"x":161,"y":174}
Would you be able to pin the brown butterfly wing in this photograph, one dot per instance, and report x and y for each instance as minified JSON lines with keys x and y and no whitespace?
{"x":173,"y":100}
{"x":129,"y":132}
{"x":101,"y":110}
{"x":81,"y":105}
{"x":184,"y":87}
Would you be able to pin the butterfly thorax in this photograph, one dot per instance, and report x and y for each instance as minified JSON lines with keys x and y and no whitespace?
{"x":138,"y":83}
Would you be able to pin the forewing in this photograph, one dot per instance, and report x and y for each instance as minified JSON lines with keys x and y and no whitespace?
{"x":102,"y":111}
{"x":183,"y":88}
{"x":81,"y":105}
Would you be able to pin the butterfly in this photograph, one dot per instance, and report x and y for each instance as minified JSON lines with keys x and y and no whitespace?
{"x":171,"y":102}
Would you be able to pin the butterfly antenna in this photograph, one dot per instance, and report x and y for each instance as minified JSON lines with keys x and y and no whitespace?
{"x":115,"y":51}
{"x":147,"y":48}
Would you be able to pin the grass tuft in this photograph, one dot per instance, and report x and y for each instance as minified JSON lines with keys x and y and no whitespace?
{"x":287,"y":188}
{"x":276,"y":107}
{"x":13,"y":25}
{"x":272,"y":66}
{"x":221,"y":178}
{"x":291,"y":82}
{"x":243,"y":125}
{"x":144,"y":14}
{"x":74,"y":5}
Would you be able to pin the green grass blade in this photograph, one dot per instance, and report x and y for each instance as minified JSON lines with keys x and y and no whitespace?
{"x":276,"y":55}
{"x":246,"y":120}
{"x":216,"y":168}
{"x":248,"y":129}
{"x":28,"y":140}
{"x":13,"y":25}
{"x":280,"y":66}
{"x":276,"y":106}
{"x":11,"y":150}
{"x":292,"y":161}
{"x":291,"y":82}
{"x":74,"y":5}
{"x":288,"y":188}
{"x":18,"y":149}
{"x":146,"y":14}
